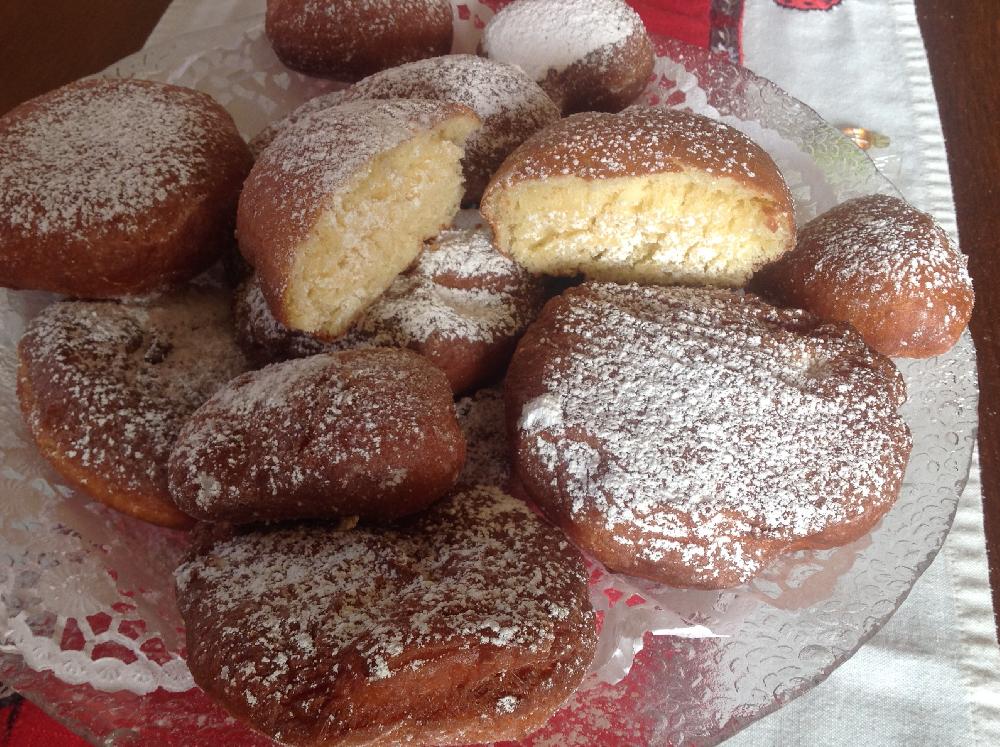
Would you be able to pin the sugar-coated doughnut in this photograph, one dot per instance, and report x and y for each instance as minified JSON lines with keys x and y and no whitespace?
{"x":650,"y":195}
{"x":104,"y":388}
{"x":358,"y":433}
{"x":349,"y":39}
{"x":463,"y":305}
{"x":317,"y":103}
{"x":691,"y":435}
{"x":113,"y":187}
{"x":588,"y":55}
{"x":470,"y":622}
{"x":883,"y":266}
{"x":341,"y":202}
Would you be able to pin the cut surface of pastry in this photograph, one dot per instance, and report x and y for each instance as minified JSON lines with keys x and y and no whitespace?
{"x":341,"y":203}
{"x":650,"y":195}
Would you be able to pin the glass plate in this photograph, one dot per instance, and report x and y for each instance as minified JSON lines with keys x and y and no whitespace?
{"x":86,"y":603}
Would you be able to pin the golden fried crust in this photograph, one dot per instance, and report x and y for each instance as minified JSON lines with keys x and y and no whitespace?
{"x":689,"y":436}
{"x":884,"y":267}
{"x":637,"y":142}
{"x":104,"y":388}
{"x":349,"y":39}
{"x":364,"y":433}
{"x":114,"y":187}
{"x":470,"y":622}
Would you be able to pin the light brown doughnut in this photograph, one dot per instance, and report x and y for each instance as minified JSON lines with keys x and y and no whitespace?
{"x":105,"y":387}
{"x":650,"y":195}
{"x":689,"y":436}
{"x":882,"y":266}
{"x":341,"y":202}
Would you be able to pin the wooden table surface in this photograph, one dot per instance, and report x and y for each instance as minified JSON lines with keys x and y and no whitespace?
{"x":45,"y":44}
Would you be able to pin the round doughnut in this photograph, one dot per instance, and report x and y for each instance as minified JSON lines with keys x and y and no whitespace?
{"x":487,"y":458}
{"x":884,"y":267}
{"x":463,"y":306}
{"x":358,"y":433}
{"x":349,"y":39}
{"x":116,"y":187}
{"x":649,"y":195}
{"x":104,"y":388}
{"x":470,"y":622}
{"x":588,"y":55}
{"x":689,"y":435}
{"x":342,"y":201}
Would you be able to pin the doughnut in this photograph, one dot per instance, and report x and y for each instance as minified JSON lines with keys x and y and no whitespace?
{"x":104,"y":388}
{"x":885,"y":268}
{"x":588,"y":55}
{"x":690,"y":435}
{"x":463,"y":306}
{"x":357,"y":433}
{"x":468,"y":623}
{"x":349,"y":39}
{"x":510,"y":105}
{"x":649,"y":195}
{"x":115,"y":187}
{"x":342,"y":201}
{"x":481,"y":418}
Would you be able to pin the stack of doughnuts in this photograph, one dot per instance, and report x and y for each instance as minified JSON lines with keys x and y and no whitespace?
{"x":346,"y":430}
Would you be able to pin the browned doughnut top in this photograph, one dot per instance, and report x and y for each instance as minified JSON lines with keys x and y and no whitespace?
{"x":885,"y":267}
{"x":105,"y":388}
{"x":690,"y":435}
{"x":348,"y":39}
{"x":458,"y":306}
{"x":471,"y":622}
{"x":640,"y":140}
{"x":112,"y":187}
{"x":587,"y":54}
{"x":296,"y":175}
{"x":366,"y":433}
{"x":324,"y":101}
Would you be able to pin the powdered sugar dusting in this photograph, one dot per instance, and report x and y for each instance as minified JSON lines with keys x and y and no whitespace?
{"x":96,"y":157}
{"x":478,"y":571}
{"x":706,"y":423}
{"x":640,"y":140}
{"x":543,"y":35}
{"x":487,"y":458}
{"x":323,"y":436}
{"x":116,"y":381}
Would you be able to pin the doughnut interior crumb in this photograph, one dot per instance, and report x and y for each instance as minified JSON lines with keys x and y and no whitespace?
{"x":374,"y":229}
{"x":684,"y":227}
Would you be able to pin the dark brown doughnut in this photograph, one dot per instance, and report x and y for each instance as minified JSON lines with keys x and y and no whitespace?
{"x":114,"y":187}
{"x":468,"y":623}
{"x":358,"y":433}
{"x":349,"y":39}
